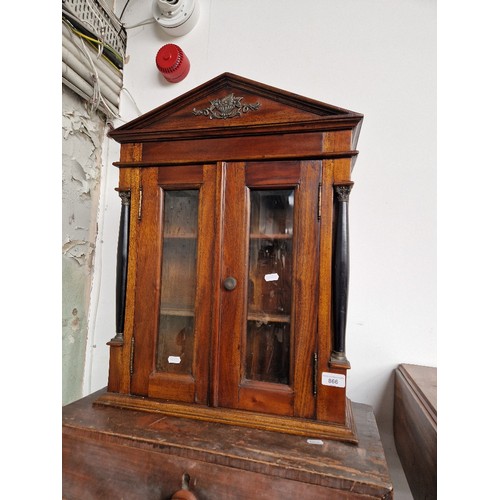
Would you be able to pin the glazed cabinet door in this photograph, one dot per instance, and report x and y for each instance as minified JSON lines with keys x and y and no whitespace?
{"x":269,"y":278}
{"x":174,"y":281}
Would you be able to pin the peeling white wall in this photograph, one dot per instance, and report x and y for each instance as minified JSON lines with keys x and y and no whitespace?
{"x":82,"y":138}
{"x":377,"y":58}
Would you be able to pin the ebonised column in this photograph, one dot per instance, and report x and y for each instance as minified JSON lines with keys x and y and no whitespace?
{"x":121,"y":267}
{"x":340,"y":271}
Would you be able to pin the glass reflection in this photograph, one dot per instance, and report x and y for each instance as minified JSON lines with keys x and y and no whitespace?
{"x":269,"y":285}
{"x":174,"y":350}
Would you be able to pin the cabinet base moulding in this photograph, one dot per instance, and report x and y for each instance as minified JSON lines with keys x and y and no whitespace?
{"x":277,"y":423}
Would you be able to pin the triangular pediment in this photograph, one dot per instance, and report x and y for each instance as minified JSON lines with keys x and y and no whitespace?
{"x":233,"y":105}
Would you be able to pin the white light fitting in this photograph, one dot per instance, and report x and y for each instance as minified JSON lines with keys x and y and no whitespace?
{"x":176,"y":17}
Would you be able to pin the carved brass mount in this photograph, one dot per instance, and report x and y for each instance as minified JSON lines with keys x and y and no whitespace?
{"x":226,"y":107}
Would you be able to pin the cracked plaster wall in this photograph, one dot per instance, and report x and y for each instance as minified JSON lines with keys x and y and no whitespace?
{"x":82,"y":138}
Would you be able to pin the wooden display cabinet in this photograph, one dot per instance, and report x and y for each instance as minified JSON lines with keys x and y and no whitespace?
{"x":232,"y":273}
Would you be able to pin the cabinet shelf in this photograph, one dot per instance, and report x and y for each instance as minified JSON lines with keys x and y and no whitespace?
{"x":252,"y":316}
{"x":184,"y":236}
{"x":274,"y":236}
{"x":268,"y":318}
{"x":176,"y":311}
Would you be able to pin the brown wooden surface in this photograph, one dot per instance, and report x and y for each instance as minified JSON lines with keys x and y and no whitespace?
{"x":113,"y":453}
{"x":305,"y":286}
{"x":168,"y":386}
{"x":119,"y":365}
{"x":254,"y":419}
{"x":415,"y":427}
{"x":147,"y":296}
{"x":423,"y":380}
{"x":331,"y":401}
{"x":267,"y":147}
{"x":232,"y":303}
{"x":216,"y":292}
{"x":236,"y":392}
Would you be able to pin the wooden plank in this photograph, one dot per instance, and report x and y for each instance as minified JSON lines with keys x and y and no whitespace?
{"x":273,"y":174}
{"x":232,"y":302}
{"x":331,"y":404}
{"x":256,"y":418}
{"x":119,"y":363}
{"x":216,"y":291}
{"x":147,"y":282}
{"x":305,"y":287}
{"x":185,"y":174}
{"x":295,"y":145}
{"x":205,"y":278}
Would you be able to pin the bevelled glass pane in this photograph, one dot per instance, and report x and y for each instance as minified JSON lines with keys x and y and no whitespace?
{"x":174,"y":349}
{"x":270,"y":285}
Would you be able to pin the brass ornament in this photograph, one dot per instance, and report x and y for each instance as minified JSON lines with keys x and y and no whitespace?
{"x":226,"y":107}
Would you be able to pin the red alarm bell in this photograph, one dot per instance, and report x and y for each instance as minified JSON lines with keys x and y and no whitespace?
{"x":172,"y":63}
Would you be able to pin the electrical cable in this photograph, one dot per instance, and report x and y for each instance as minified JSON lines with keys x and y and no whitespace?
{"x":96,"y":99}
{"x":150,"y":20}
{"x":126,"y":5}
{"x":68,"y":14}
{"x":111,"y":54}
{"x":133,"y":100}
{"x":99,"y":29}
{"x":76,"y":29}
{"x":97,"y":42}
{"x":93,"y":41}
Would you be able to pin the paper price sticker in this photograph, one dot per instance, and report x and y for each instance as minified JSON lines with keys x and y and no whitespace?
{"x":272,"y":277}
{"x":315,"y":441}
{"x":333,"y":379}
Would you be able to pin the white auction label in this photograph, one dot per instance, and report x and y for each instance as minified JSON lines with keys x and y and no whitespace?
{"x":315,"y":441}
{"x":175,"y":360}
{"x":272,"y":277}
{"x":333,"y":379}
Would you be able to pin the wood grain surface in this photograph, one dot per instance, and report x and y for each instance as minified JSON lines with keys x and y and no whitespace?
{"x":415,"y":427}
{"x":114,"y":453}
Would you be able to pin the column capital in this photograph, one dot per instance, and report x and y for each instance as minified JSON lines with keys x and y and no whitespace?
{"x":125,"y":197}
{"x":342,"y":190}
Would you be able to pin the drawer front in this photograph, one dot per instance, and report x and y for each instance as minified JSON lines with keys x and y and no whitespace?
{"x":97,"y":469}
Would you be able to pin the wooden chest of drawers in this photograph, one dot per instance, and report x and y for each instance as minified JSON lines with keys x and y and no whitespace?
{"x":111,"y":453}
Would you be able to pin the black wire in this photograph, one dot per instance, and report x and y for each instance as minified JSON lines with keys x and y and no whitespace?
{"x":110,"y":54}
{"x":121,"y":15}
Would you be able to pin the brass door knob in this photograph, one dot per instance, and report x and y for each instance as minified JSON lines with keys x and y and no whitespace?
{"x":230,"y":283}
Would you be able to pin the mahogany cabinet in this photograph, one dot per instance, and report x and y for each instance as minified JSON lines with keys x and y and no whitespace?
{"x":233,"y":263}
